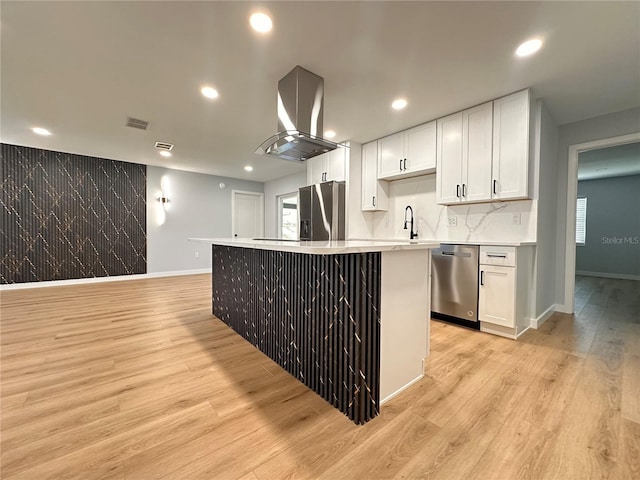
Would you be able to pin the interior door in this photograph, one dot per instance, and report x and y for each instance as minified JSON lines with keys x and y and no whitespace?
{"x":247,"y":212}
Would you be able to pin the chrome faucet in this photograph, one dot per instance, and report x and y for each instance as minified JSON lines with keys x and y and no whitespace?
{"x":412,"y":234}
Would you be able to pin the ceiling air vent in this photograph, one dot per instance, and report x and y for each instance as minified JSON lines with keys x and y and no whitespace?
{"x":164,"y":146}
{"x":137,"y":123}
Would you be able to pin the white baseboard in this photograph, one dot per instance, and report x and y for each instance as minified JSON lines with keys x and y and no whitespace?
{"x":563,"y":308}
{"x":117,"y":278}
{"x":538,"y":321}
{"x":401,"y":389}
{"x":617,"y":276}
{"x":521,"y":332}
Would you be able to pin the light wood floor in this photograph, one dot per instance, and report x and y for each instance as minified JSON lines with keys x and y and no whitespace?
{"x":136,"y":380}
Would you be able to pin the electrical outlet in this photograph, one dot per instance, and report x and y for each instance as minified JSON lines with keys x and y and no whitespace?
{"x":196,"y":254}
{"x":452,"y":220}
{"x":517,"y":218}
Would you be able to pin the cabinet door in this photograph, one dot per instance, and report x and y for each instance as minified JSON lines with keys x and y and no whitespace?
{"x":497,"y":295}
{"x":336,"y":164}
{"x":511,"y":146}
{"x":420,"y":148}
{"x":316,"y":168}
{"x":374,"y":192}
{"x":449,"y":159}
{"x":477,"y":127}
{"x":391,"y":156}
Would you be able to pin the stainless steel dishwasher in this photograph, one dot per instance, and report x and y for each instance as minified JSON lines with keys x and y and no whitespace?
{"x":454,"y":283}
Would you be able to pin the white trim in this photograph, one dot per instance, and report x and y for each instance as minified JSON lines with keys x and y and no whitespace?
{"x":618,"y":276}
{"x":233,"y":209}
{"x":572,"y":195}
{"x":279,"y":202}
{"x":401,"y":389}
{"x":84,"y":281}
{"x":522,"y":331}
{"x":537,"y":322}
{"x":560,"y":308}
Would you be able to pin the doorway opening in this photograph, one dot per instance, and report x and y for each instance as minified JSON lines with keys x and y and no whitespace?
{"x":572,"y":204}
{"x":288,"y":216}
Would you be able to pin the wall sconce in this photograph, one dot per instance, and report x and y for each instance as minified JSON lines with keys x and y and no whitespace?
{"x":163,"y":199}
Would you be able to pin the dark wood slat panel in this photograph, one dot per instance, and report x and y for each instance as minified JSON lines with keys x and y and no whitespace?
{"x":311,"y":314}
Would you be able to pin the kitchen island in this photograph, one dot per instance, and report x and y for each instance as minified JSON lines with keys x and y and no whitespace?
{"x":349,"y":319}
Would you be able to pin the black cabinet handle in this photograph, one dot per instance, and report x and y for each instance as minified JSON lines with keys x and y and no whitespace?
{"x":495,"y":183}
{"x":481,"y":277}
{"x":497,"y":255}
{"x":374,"y":200}
{"x":458,"y":191}
{"x":464,"y":189}
{"x":400,"y":164}
{"x":405,"y":163}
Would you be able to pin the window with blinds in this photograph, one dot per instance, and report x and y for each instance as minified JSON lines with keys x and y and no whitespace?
{"x":581,"y":220}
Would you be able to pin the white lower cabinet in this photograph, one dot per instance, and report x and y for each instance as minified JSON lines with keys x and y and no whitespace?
{"x":497,"y":302}
{"x":504,"y":293}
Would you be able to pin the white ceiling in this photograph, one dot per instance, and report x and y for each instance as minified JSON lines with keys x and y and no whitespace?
{"x":80,"y":68}
{"x":618,"y":161}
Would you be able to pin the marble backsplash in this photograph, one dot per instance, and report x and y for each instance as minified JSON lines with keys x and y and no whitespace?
{"x":513,"y":221}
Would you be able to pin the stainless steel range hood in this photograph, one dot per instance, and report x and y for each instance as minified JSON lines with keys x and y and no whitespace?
{"x":300,"y":109}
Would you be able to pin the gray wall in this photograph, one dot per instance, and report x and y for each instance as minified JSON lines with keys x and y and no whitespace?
{"x":546,"y":234}
{"x":198,"y":207}
{"x":272,"y":189}
{"x":597,"y":128}
{"x":612,"y":244}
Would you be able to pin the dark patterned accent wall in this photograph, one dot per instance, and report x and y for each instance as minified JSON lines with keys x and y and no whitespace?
{"x":70,"y":216}
{"x":317,"y":316}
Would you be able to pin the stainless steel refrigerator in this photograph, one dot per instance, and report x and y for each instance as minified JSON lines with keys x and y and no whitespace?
{"x":322,"y":211}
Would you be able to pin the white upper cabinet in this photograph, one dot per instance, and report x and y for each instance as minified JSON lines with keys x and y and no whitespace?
{"x":449,"y":159}
{"x":477,"y":126}
{"x":511,"y":146}
{"x":326,"y":167}
{"x":409,"y":153}
{"x":391,"y":154}
{"x":336,"y":164}
{"x":316,"y":168}
{"x":464,"y":156}
{"x":374,"y":191}
{"x":483,"y":152}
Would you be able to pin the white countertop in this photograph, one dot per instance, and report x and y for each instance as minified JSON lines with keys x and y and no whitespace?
{"x":463,"y":242}
{"x":331,"y":247}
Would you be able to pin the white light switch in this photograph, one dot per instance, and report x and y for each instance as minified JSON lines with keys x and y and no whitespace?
{"x":516,"y":218}
{"x":452,"y":220}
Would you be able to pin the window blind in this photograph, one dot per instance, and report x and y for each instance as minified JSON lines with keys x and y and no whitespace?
{"x":581,"y":220}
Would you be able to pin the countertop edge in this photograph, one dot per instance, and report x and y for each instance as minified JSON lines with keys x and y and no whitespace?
{"x":320,"y":248}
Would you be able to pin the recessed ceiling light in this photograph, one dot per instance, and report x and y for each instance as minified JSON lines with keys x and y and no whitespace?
{"x":399,"y":104}
{"x":249,"y":168}
{"x":529,"y":47}
{"x":329,"y":134}
{"x":261,"y":22}
{"x":164,"y":153}
{"x":41,"y":131}
{"x":209,"y":92}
